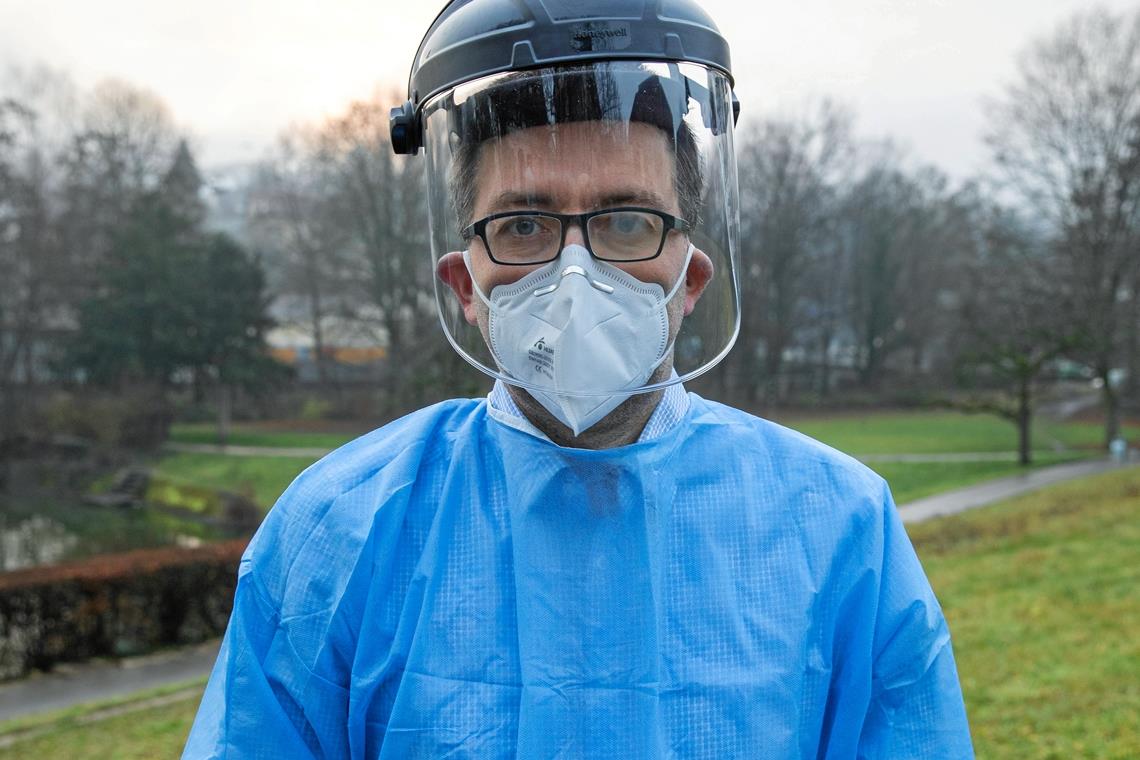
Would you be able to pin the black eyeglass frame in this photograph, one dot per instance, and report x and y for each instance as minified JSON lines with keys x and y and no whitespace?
{"x":479,"y":228}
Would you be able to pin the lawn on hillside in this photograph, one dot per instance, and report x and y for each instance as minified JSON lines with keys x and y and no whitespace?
{"x":258,"y":435}
{"x":1041,"y":597}
{"x":265,"y":477}
{"x":945,"y":432}
{"x":874,"y":433}
{"x":262,"y":478}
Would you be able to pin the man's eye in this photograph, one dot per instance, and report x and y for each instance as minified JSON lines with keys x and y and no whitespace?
{"x":628,"y":224}
{"x":524,"y":227}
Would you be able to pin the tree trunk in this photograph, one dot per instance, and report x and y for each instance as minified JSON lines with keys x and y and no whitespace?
{"x":717,"y":383}
{"x":225,"y":412}
{"x":1024,"y":421}
{"x":198,"y":392}
{"x":748,"y":369}
{"x":315,"y":314}
{"x":869,"y":371}
{"x":773,"y":368}
{"x":28,"y":362}
{"x":8,"y":430}
{"x":1132,"y":347}
{"x":1111,"y":410}
{"x":825,"y":365}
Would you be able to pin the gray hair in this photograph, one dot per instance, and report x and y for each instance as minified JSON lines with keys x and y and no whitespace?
{"x":577,"y":93}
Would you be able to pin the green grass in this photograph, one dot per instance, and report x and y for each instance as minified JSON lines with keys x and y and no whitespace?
{"x":928,"y":432}
{"x":941,"y":432}
{"x":911,"y":432}
{"x":261,"y":477}
{"x":266,"y":477}
{"x":1086,"y":435}
{"x":1041,"y":597}
{"x":875,"y":432}
{"x":249,"y":435}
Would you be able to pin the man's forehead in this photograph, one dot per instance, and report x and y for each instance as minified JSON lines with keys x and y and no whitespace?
{"x":586,"y":198}
{"x":592,"y":163}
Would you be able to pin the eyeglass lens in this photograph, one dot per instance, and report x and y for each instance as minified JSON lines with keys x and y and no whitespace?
{"x":613,"y":236}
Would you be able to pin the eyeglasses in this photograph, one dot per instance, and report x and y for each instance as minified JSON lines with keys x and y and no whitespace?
{"x":621,"y":234}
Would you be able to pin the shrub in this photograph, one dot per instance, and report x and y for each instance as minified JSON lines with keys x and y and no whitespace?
{"x":115,"y":605}
{"x":138,"y":418}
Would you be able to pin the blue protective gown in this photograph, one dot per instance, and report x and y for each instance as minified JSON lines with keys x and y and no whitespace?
{"x":448,"y":586}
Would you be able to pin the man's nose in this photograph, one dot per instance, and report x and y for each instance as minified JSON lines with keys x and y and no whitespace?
{"x":575,"y":235}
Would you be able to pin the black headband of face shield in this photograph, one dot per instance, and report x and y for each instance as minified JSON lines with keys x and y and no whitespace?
{"x":597,"y":92}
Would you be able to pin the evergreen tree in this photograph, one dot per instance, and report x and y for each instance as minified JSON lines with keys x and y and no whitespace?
{"x":175,"y":303}
{"x":181,"y":186}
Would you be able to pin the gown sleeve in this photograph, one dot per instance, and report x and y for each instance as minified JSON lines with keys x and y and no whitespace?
{"x":260,"y":702}
{"x":916,"y":707}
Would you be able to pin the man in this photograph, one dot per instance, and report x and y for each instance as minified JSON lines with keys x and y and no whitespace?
{"x":590,"y":562}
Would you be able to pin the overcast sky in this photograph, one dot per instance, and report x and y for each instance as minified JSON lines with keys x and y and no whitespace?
{"x":235,"y":73}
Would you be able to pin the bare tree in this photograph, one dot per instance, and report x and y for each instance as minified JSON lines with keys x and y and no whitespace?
{"x":1011,"y":320}
{"x":1132,"y":341}
{"x":941,"y":235}
{"x":1066,"y":140}
{"x":120,"y":149}
{"x":346,"y":218}
{"x":790,"y":171}
{"x":902,"y":229}
{"x":292,"y":218}
{"x":133,"y":131}
{"x":71,"y":167}
{"x":35,"y":108}
{"x":19,"y":307}
{"x":381,"y":199}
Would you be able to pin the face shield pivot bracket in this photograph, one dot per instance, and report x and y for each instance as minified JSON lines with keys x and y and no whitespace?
{"x":404,"y":129}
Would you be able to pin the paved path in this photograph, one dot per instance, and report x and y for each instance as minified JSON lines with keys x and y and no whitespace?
{"x":87,"y":683}
{"x":76,"y":684}
{"x":991,"y":491}
{"x":957,"y":456}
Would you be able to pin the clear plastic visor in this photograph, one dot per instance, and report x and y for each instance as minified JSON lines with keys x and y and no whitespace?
{"x":584,"y":225}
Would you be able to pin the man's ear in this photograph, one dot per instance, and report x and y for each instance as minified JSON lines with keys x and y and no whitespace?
{"x":453,"y":271}
{"x":697,"y":276}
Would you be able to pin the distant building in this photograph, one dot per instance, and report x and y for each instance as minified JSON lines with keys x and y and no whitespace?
{"x":350,"y":354}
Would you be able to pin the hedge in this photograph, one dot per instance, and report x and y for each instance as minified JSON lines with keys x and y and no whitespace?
{"x":113,"y":605}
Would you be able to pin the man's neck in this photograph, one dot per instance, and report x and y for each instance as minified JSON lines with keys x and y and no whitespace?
{"x":620,"y":427}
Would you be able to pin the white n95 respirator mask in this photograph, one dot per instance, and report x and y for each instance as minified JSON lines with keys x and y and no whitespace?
{"x":579,"y":326}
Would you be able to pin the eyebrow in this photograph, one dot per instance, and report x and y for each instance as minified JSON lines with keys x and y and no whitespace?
{"x":513,"y":198}
{"x":633,"y":198}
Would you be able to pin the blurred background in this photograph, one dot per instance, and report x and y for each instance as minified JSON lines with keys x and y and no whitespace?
{"x":204,"y":241}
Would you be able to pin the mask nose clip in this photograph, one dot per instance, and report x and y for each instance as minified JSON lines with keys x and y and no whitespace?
{"x":602,"y":287}
{"x":574,"y":269}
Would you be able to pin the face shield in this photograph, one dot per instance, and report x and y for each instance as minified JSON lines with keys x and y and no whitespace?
{"x":584,"y":225}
